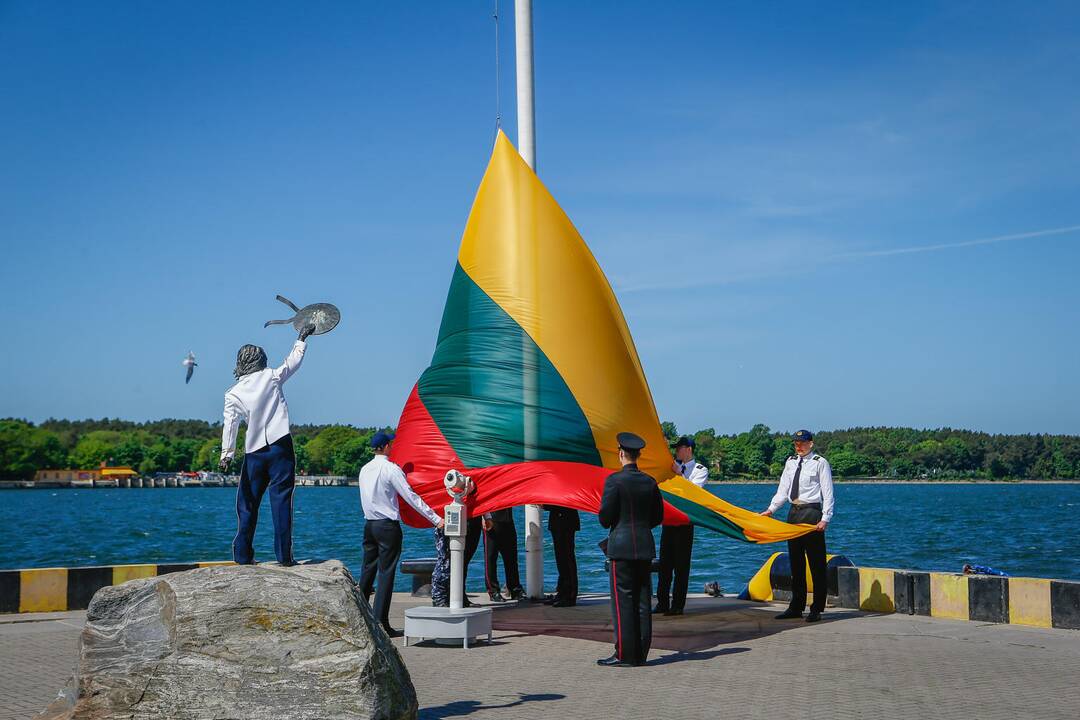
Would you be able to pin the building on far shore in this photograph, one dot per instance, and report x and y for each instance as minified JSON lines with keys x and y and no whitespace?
{"x":104,"y":476}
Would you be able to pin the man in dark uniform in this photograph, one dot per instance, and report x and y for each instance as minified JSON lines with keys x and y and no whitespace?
{"x":563,"y":523}
{"x":630,"y":508}
{"x":677,"y":541}
{"x":806,"y":483}
{"x":500,"y":538}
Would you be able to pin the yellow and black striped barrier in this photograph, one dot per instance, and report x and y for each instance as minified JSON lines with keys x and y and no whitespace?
{"x":986,"y":598}
{"x":60,"y":589}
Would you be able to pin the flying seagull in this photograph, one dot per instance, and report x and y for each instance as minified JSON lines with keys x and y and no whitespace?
{"x":190,"y":364}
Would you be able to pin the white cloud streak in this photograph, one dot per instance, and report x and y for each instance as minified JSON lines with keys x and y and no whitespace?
{"x":965,"y":243}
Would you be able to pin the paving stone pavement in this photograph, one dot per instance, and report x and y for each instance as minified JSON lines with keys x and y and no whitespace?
{"x":724,"y":658}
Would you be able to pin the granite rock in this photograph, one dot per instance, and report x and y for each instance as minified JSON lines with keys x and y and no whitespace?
{"x":254,"y":641}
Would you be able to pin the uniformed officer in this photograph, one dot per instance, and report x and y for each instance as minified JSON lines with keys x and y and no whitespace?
{"x":629,"y":508}
{"x":563,"y":524}
{"x":382,"y":483}
{"x":501,"y":538}
{"x":677,"y":541}
{"x":807,"y":483}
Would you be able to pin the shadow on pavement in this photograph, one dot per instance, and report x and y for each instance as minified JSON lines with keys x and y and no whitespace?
{"x":692,"y":656}
{"x":707,"y":622}
{"x":459,"y":708}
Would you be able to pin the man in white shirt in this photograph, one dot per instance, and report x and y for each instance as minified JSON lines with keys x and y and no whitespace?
{"x":677,"y":541}
{"x":381,"y":484}
{"x":807,"y":483}
{"x":269,"y":459}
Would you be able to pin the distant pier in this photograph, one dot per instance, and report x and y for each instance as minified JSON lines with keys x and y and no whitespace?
{"x":160,"y":480}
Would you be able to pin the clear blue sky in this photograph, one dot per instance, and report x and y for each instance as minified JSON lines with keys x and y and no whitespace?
{"x":786,"y":198}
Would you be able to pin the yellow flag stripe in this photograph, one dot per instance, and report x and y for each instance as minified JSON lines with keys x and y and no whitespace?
{"x":522,"y":250}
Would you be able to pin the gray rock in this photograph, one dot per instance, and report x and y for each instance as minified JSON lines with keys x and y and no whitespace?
{"x":237,"y":642}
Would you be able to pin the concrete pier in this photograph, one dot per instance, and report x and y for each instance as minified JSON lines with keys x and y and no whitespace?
{"x":724,"y":658}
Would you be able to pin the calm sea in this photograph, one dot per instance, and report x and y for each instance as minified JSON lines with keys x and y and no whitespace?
{"x":1024,"y":530}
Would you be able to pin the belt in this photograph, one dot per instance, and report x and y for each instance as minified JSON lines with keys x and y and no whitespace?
{"x":816,"y":506}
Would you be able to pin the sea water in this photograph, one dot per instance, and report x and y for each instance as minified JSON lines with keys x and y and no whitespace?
{"x":1022,"y":529}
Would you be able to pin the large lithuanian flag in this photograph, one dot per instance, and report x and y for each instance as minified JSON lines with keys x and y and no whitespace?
{"x":535,"y":372}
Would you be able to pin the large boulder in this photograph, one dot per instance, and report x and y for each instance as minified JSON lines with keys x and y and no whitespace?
{"x":255,"y":641}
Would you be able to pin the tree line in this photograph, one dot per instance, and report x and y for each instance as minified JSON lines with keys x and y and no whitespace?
{"x":883,"y":452}
{"x":164,"y":446}
{"x":894,"y":453}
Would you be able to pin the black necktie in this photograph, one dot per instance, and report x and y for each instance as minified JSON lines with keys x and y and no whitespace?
{"x":795,"y":482}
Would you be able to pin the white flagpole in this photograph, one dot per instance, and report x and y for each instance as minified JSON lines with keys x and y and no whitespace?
{"x":534,"y":544}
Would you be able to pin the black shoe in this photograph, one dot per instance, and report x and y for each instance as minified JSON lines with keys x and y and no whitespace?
{"x":391,"y":632}
{"x":564,"y":603}
{"x":789,"y":614}
{"x":813,"y":616}
{"x":674,"y":612}
{"x":613,"y":661}
{"x":550,"y":599}
{"x":466,"y":602}
{"x":517,"y":593}
{"x":660,"y":609}
{"x":496,"y":597}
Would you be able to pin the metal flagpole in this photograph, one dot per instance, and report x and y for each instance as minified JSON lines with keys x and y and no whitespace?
{"x":534,"y":546}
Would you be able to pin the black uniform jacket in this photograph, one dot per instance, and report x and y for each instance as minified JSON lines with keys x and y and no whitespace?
{"x":563,"y":519}
{"x":630,"y":508}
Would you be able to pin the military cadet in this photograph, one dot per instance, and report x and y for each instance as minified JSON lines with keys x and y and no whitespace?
{"x":563,"y":524}
{"x":629,"y":508}
{"x":381,"y":483}
{"x":807,"y":483}
{"x":677,"y":541}
{"x":501,"y":538}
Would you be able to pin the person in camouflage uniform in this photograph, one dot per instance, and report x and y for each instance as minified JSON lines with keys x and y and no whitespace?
{"x":440,"y":576}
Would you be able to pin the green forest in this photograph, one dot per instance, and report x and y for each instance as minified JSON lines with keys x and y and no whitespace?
{"x":880,"y":452}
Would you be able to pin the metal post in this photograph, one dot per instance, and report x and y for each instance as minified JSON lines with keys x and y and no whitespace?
{"x":524,"y":47}
{"x":457,"y":572}
{"x":534,"y":546}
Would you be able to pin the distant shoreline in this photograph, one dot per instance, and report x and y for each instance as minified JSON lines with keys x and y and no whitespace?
{"x":864,"y":481}
{"x":25,"y":485}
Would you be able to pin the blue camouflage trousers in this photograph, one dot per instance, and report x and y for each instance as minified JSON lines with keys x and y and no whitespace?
{"x":440,"y":576}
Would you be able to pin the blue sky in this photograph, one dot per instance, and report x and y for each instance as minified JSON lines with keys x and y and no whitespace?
{"x":789,"y":199}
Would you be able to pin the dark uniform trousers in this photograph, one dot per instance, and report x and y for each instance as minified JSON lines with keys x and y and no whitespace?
{"x":382,"y":550}
{"x":808,"y":549}
{"x":631,"y":597}
{"x":501,"y":539}
{"x":272,"y":467}
{"x":563,"y":524}
{"x":676,"y":546}
{"x":630,"y":507}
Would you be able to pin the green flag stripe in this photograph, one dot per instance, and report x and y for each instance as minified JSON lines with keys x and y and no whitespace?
{"x":474,"y":388}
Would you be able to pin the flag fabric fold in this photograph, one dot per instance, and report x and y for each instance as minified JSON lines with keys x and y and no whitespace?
{"x":535,"y":372}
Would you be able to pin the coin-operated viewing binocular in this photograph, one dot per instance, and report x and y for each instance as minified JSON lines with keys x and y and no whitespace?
{"x":456,"y":514}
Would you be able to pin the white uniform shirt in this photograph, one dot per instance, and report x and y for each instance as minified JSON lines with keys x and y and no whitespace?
{"x":694,"y":471}
{"x":381,"y":482}
{"x":815,"y":484}
{"x":258,"y":399}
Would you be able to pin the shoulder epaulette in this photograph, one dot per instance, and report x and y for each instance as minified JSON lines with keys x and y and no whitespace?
{"x":791,"y":457}
{"x":818,"y":457}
